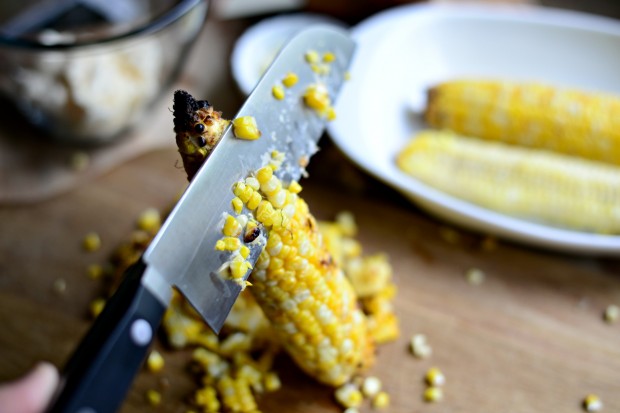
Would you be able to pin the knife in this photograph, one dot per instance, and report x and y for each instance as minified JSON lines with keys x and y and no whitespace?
{"x":182,"y":254}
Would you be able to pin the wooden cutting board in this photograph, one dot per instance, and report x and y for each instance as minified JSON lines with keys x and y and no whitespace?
{"x":530,"y":338}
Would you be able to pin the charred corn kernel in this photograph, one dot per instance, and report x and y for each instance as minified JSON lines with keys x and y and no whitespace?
{"x":228,"y":244}
{"x":592,"y":403}
{"x":371,"y":386}
{"x":420,"y":347}
{"x":348,"y":395}
{"x":206,"y":397}
{"x":149,"y":220}
{"x":290,"y":79}
{"x":245,"y":127}
{"x":155,"y":361}
{"x":317,"y":97}
{"x":434,"y":377}
{"x":153,"y":397}
{"x":568,"y":121}
{"x":94,"y":271}
{"x":312,"y":56}
{"x":381,"y":400}
{"x":272,"y":381}
{"x":294,"y":187}
{"x":612,"y":313}
{"x":328,"y":57}
{"x":278,"y":92}
{"x":555,"y":189}
{"x":96,"y":307}
{"x":433,"y":394}
{"x":91,"y":242}
{"x":231,"y":227}
{"x":237,"y":205}
{"x":474,"y":276}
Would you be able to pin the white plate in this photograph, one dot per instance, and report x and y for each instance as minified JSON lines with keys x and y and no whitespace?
{"x":257,"y":46}
{"x":402,"y":51}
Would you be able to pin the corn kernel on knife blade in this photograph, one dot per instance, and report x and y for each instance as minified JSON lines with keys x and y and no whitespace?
{"x":98,"y":374}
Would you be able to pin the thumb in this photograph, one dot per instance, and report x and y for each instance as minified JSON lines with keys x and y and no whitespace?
{"x":31,"y":393}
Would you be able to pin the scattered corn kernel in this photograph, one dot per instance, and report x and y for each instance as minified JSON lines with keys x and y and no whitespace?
{"x":420,"y":347}
{"x":245,"y":127}
{"x":244,"y":251}
{"x":312,"y":56}
{"x":612,"y":313}
{"x":474,"y":276}
{"x":592,"y":403}
{"x":96,"y":307}
{"x":238,"y":268}
{"x":331,"y":113}
{"x":290,"y":79}
{"x":94,"y":271}
{"x":153,"y":397}
{"x":254,"y":201}
{"x":237,"y":205}
{"x":371,"y":386}
{"x":329,"y":57}
{"x":92,"y":242}
{"x":278,"y":92}
{"x":228,"y":244}
{"x":433,"y":394}
{"x":317,"y":97}
{"x":149,"y":220}
{"x":59,"y":286}
{"x":381,"y":400}
{"x":434,"y":377}
{"x":155,"y":361}
{"x":207,"y":398}
{"x":264,"y":174}
{"x":348,"y":395}
{"x":232,"y":228}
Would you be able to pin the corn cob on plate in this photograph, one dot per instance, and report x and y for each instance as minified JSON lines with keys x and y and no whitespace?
{"x":405,"y":51}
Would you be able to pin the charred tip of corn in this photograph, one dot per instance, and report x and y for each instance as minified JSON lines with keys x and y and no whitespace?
{"x":184,"y":110}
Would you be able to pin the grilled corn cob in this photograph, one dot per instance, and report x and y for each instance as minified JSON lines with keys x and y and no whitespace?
{"x":538,"y":185}
{"x":535,"y":115}
{"x":305,"y":295}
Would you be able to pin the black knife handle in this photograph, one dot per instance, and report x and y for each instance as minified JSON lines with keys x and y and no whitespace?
{"x":101,"y":370}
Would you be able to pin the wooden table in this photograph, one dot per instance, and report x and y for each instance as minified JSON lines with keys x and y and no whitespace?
{"x":530,"y":338}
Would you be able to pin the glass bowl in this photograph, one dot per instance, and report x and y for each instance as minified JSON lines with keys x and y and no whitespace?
{"x":87,"y":70}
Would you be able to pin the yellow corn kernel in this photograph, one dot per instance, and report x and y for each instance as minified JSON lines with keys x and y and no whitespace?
{"x":245,"y":127}
{"x":237,"y":205}
{"x":331,"y":113}
{"x":278,"y":92}
{"x":294,"y":187}
{"x":290,"y":79}
{"x":94,"y":271}
{"x":536,"y":185}
{"x":371,"y":386}
{"x":264,"y":174}
{"x":272,"y":382}
{"x":254,"y":201}
{"x":317,"y":97}
{"x":312,"y":56}
{"x":153,"y":397}
{"x":96,"y":307}
{"x":244,"y":252}
{"x":329,"y":57}
{"x":228,"y":244}
{"x":265,"y":212}
{"x":155,"y":361}
{"x":612,"y":313}
{"x":206,"y":397}
{"x":149,"y":220}
{"x":474,"y":276}
{"x":592,"y":403}
{"x":433,"y":394}
{"x":420,"y":347}
{"x":348,"y":395}
{"x":567,"y":121}
{"x":91,"y":242}
{"x":242,"y":191}
{"x":434,"y":377}
{"x":231,"y":227}
{"x":239,"y":267}
{"x":381,"y":400}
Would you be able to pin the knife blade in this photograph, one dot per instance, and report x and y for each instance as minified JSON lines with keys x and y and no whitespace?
{"x":182,"y":254}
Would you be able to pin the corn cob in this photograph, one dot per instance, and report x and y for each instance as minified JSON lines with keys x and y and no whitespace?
{"x":305,"y":295}
{"x":538,"y":185}
{"x":534,"y":115}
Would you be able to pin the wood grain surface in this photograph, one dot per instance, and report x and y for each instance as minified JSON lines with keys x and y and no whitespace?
{"x":530,"y":338}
